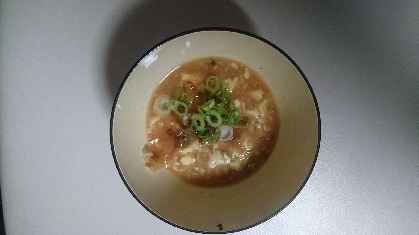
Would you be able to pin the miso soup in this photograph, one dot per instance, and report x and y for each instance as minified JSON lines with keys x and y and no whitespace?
{"x":211,"y":122}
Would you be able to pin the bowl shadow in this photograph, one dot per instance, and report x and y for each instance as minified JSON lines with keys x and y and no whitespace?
{"x":152,"y":21}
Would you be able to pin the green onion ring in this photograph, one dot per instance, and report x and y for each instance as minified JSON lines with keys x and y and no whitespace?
{"x":212,"y":84}
{"x":162,"y":105}
{"x":198,"y":122}
{"x":180,"y":108}
{"x":209,"y":118}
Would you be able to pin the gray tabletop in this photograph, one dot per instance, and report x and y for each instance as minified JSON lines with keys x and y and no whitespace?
{"x":62,"y":61}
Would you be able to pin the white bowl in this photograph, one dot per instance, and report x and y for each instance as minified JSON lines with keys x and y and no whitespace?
{"x":242,"y":205}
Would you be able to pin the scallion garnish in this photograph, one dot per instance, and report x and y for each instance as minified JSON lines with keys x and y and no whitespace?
{"x":180,"y":108}
{"x":212,"y":84}
{"x":216,"y":110}
{"x":214,"y":118}
{"x":179,"y":94}
{"x":198,"y":122}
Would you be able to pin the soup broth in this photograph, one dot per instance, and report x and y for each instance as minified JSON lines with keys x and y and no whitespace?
{"x":211,"y":122}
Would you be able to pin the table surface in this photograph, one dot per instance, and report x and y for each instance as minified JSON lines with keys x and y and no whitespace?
{"x":61,"y":63}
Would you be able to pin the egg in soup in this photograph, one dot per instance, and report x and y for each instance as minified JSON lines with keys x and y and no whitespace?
{"x":211,"y":122}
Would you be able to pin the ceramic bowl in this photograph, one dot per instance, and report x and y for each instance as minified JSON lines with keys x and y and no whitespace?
{"x":242,"y":205}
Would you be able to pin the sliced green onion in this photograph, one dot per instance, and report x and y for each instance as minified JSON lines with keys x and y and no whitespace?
{"x":179,"y":94}
{"x":198,"y":121}
{"x":212,"y":84}
{"x":180,"y":108}
{"x":214,"y":109}
{"x":162,"y":105}
{"x":204,"y":134}
{"x":216,"y":137}
{"x":233,"y":117}
{"x":221,"y":109}
{"x":214,"y":118}
{"x":222,"y":94}
{"x":211,"y":104}
{"x":207,"y":136}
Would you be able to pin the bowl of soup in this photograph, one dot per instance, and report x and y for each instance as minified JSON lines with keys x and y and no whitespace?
{"x":215,"y":130}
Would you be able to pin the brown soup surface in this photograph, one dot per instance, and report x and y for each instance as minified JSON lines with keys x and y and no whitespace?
{"x":211,"y":122}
